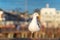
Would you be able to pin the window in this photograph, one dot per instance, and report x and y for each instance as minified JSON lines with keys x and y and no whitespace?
{"x":50,"y":13}
{"x":57,"y":12}
{"x":45,"y":12}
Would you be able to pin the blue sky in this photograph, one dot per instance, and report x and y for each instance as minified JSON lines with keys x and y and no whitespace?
{"x":32,"y":4}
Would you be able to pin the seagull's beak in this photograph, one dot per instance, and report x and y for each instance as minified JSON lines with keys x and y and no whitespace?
{"x":38,"y":17}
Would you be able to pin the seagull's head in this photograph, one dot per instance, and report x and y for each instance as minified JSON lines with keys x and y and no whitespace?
{"x":36,"y":15}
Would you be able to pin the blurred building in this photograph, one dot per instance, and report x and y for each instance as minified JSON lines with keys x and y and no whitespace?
{"x":1,"y":15}
{"x":50,"y":17}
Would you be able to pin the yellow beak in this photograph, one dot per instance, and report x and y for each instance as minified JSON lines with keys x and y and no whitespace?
{"x":38,"y":17}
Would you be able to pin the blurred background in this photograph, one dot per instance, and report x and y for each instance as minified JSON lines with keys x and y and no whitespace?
{"x":16,"y":15}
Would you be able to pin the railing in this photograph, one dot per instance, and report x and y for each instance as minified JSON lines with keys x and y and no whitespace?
{"x":46,"y":34}
{"x":28,"y":34}
{"x":29,"y":39}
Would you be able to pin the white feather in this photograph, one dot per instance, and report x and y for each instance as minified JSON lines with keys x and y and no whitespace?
{"x":33,"y":26}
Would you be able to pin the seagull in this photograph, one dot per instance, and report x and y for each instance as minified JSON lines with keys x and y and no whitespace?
{"x":33,"y":26}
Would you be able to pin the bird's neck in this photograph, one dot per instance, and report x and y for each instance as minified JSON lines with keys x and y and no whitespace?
{"x":34,"y":18}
